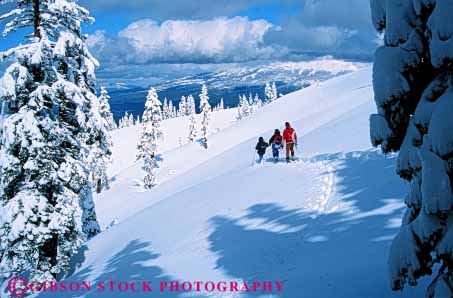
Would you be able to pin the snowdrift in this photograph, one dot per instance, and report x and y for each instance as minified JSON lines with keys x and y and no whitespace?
{"x":322,"y":225}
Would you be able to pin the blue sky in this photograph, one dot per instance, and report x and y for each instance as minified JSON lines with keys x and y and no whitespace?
{"x":150,"y":34}
{"x":113,"y":21}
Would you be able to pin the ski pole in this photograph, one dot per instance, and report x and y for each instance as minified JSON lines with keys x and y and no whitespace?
{"x":253,"y":159}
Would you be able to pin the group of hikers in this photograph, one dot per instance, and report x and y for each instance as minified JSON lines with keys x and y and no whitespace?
{"x":277,"y":141}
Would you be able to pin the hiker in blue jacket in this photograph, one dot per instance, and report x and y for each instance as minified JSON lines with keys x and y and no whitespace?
{"x":276,"y":141}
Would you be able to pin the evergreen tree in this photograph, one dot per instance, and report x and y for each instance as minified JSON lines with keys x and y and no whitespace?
{"x":205,"y":109}
{"x":130,"y":120}
{"x":174,"y":113}
{"x":250,"y":104}
{"x":124,"y":122}
{"x":412,"y":80}
{"x":244,"y":107}
{"x":137,"y":120}
{"x":274,"y":91}
{"x":150,"y":137}
{"x":170,"y":110}
{"x":183,"y":106}
{"x":165,"y":113}
{"x":51,"y":117}
{"x":104,"y":109}
{"x":239,"y":116}
{"x":100,"y":144}
{"x":191,"y":105}
{"x":193,"y":131}
{"x":121,"y":122}
{"x":268,"y":94}
{"x":221,"y":104}
{"x":257,"y":102}
{"x":76,"y":83}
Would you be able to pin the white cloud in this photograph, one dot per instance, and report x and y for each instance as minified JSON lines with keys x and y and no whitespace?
{"x":212,"y":41}
{"x":96,"y":39}
{"x":329,"y":27}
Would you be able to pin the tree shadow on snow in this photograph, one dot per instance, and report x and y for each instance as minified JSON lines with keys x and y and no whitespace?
{"x":338,"y":254}
{"x":129,"y":264}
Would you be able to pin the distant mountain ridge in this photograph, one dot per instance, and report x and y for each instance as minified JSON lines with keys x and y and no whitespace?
{"x":230,"y":83}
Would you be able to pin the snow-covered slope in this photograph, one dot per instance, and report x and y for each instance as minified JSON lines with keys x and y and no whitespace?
{"x":322,"y":225}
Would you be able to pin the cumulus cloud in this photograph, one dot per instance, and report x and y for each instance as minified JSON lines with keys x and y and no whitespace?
{"x":211,"y":41}
{"x":328,"y":26}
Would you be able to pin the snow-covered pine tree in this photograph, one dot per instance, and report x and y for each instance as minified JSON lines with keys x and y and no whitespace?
{"x":191,"y":104}
{"x":193,"y":131}
{"x":245,"y":107}
{"x":170,"y":110}
{"x":76,"y":83}
{"x":130,"y":120}
{"x":104,"y":109}
{"x":412,"y":80}
{"x":221,"y":105}
{"x":124,"y":121}
{"x":120,"y":123}
{"x":268,"y":96}
{"x":137,"y":120}
{"x":239,"y":115}
{"x":165,"y":114}
{"x":182,"y":107}
{"x":174,"y":113}
{"x":274,"y":91}
{"x":150,"y":137}
{"x":205,"y":109}
{"x":100,"y":144}
{"x":50,"y":117}
{"x":251,"y":105}
{"x":257,"y":102}
{"x":101,"y":153}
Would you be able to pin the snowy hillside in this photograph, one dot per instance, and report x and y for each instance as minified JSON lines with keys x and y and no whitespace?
{"x":322,"y":225}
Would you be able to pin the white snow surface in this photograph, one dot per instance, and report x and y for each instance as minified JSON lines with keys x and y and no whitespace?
{"x":323,"y":224}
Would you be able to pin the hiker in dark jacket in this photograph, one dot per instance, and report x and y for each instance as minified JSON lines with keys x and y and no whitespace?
{"x":276,"y":143}
{"x":261,"y":148}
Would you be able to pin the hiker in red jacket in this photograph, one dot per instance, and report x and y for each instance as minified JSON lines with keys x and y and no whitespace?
{"x":290,"y":139}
